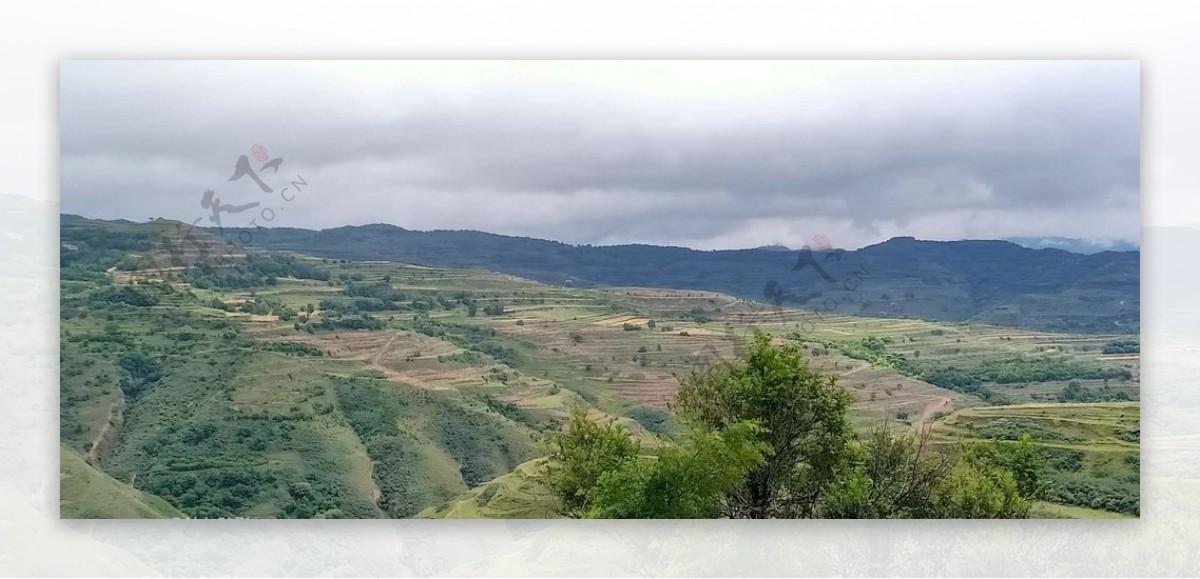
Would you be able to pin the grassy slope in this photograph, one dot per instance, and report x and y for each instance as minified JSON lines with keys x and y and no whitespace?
{"x":521,"y":494}
{"x":88,"y":493}
{"x":1044,"y":510}
{"x":1093,"y":449}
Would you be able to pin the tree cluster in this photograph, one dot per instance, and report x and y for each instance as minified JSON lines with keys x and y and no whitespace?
{"x":768,"y":437}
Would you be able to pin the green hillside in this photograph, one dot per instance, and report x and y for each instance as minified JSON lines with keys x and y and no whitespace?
{"x":90,"y":494}
{"x":521,"y":494}
{"x":285,"y":385}
{"x":1093,"y":449}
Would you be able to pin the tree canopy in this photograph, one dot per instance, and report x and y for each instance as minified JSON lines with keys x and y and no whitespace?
{"x":768,"y":437}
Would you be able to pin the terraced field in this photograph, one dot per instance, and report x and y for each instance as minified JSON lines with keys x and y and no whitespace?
{"x":1094,"y":450}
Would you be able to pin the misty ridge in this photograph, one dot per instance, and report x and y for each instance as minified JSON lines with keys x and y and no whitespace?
{"x":980,"y":281}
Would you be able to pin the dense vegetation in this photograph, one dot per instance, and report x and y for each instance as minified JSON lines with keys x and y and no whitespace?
{"x":253,"y":271}
{"x":1118,"y":495}
{"x":973,"y":380}
{"x":156,"y":379}
{"x":88,"y":252}
{"x":180,"y":440}
{"x":1123,"y":346}
{"x":1091,"y":449}
{"x":771,"y":439}
{"x":140,"y":374}
{"x":1077,"y":392}
{"x":482,"y":445}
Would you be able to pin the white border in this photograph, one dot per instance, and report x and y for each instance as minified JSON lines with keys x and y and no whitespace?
{"x":36,"y":36}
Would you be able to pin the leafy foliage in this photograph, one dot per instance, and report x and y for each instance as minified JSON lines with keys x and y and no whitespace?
{"x":689,"y":481}
{"x":483,"y":445}
{"x":581,"y":455}
{"x":1077,"y":392}
{"x":1110,"y":494}
{"x":350,"y":307}
{"x":1022,"y":459}
{"x":1123,"y":346}
{"x":804,"y":421}
{"x":886,"y":476}
{"x":658,"y":421}
{"x":598,"y":473}
{"x":968,"y":493}
{"x":771,"y":439}
{"x":359,"y":322}
{"x":141,"y":373}
{"x":381,"y":290}
{"x":253,"y":271}
{"x":290,"y":348}
{"x":128,"y":295}
{"x":1016,"y":428}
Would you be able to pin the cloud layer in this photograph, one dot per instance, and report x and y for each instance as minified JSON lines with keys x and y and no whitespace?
{"x":701,"y":154}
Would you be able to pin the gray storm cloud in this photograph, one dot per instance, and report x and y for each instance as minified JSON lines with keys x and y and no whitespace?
{"x":705,"y":155}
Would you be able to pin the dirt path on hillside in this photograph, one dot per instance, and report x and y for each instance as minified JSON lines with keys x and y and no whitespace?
{"x":383,"y":350}
{"x":941,"y":404}
{"x":377,"y":364}
{"x":115,"y":416}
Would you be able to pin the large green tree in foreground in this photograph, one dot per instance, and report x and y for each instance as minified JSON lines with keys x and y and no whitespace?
{"x":599,"y":471}
{"x":770,"y":438}
{"x":803,"y":419}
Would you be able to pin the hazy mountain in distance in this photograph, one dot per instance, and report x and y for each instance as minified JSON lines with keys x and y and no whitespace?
{"x":992,"y":282}
{"x":1075,"y":245}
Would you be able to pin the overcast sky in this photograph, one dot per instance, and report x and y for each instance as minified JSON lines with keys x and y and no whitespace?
{"x":700,"y":154}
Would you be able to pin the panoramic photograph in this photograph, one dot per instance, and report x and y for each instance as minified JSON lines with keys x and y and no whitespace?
{"x":599,"y":289}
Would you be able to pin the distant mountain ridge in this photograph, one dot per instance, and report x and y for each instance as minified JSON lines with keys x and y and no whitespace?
{"x":1075,"y":245}
{"x":993,"y":282}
